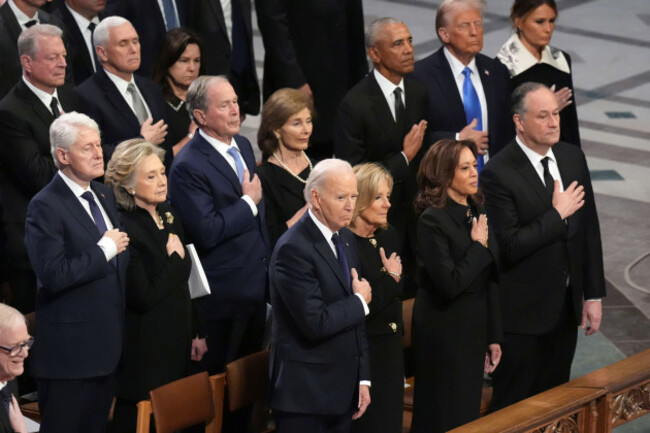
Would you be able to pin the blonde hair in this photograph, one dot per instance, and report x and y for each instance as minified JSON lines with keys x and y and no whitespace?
{"x":369,"y":177}
{"x":121,"y":169}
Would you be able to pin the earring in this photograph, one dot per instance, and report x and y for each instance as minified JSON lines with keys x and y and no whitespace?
{"x":132,"y":192}
{"x":277,"y":135}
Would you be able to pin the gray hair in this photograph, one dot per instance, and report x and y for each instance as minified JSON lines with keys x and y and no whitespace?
{"x":29,"y":38}
{"x":10,"y":317}
{"x":197,"y":94}
{"x":447,"y":7}
{"x":65,"y":130}
{"x":518,"y":99}
{"x":374,"y":29}
{"x":101,"y":35}
{"x":322,"y":171}
{"x":120,"y":171}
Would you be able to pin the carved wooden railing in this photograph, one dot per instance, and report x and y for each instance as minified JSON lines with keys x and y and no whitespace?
{"x":595,"y":403}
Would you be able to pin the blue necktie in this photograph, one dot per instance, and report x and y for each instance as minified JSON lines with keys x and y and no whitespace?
{"x":170,"y":14}
{"x":97,"y":217}
{"x":342,"y":258}
{"x":472,"y":108}
{"x":239,"y":164}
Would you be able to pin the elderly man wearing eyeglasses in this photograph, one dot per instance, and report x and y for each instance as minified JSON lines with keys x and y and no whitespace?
{"x":15,"y":343}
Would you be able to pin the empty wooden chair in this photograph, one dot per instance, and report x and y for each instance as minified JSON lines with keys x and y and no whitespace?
{"x":247,"y":384}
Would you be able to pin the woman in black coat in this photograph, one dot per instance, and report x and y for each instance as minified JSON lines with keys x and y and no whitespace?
{"x":529,"y":57}
{"x":456,"y":321}
{"x":377,"y":244}
{"x":162,"y":325}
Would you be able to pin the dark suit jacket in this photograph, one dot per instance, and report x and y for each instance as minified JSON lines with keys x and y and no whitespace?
{"x":80,"y":298}
{"x":446,"y":111}
{"x":319,"y":347}
{"x":148,"y":21}
{"x":25,"y":158}
{"x":103,"y":102}
{"x":319,"y":42}
{"x":538,"y":250}
{"x":365,"y":131}
{"x":10,"y":67}
{"x":232,"y":243}
{"x":79,"y":59}
{"x":208,"y":21}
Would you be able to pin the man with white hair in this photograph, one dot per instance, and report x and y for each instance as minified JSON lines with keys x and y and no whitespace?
{"x":77,"y":247}
{"x":26,"y":164}
{"x":123,"y":104}
{"x":15,"y":343}
{"x":319,"y":357}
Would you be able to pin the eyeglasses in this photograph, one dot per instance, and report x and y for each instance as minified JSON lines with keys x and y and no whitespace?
{"x":18,"y":348}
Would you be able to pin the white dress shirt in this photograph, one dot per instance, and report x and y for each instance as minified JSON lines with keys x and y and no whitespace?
{"x":222,"y":148}
{"x":388,"y":89}
{"x":43,"y":96}
{"x":21,"y":16}
{"x":83,"y":23}
{"x":536,"y":160}
{"x":122,"y":85}
{"x":108,"y":246}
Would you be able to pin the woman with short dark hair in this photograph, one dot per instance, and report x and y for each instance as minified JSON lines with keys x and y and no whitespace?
{"x":456,"y":319}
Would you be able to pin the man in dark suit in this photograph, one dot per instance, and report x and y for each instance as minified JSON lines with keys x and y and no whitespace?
{"x":76,"y":245}
{"x":151,"y":19}
{"x":375,"y":125}
{"x":124,"y":105}
{"x":214,"y":188}
{"x":452,"y":108}
{"x":14,"y":349}
{"x":78,"y":20}
{"x":230,"y":46}
{"x":26,"y":164}
{"x":315,"y":46}
{"x":16,"y":16}
{"x":540,"y":203}
{"x":319,"y":360}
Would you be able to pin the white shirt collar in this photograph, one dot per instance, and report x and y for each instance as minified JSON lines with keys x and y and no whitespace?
{"x":327,"y":233}
{"x":120,"y":83}
{"x":516,"y":57}
{"x":81,"y":20}
{"x":457,"y":66}
{"x":77,"y":189}
{"x":387,"y":87}
{"x":20,"y":15}
{"x":534,"y":157}
{"x":43,"y":96}
{"x":219,"y":145}
{"x":3,"y":384}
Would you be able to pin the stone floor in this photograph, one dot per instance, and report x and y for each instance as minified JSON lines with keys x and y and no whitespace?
{"x":609,"y":42}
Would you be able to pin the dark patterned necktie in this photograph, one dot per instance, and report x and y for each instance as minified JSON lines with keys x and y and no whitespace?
{"x":548,"y":179}
{"x":342,"y":258}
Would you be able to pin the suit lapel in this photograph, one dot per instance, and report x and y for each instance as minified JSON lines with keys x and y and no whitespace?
{"x":71,"y":202}
{"x":488,"y":90}
{"x":445,"y":79}
{"x":75,"y":36}
{"x":382,"y":111}
{"x":37,"y":105}
{"x":324,"y":250}
{"x":528,"y":173}
{"x":148,"y":98}
{"x":219,"y":162}
{"x":217,"y":11}
{"x":10,"y":21}
{"x":114,"y":97}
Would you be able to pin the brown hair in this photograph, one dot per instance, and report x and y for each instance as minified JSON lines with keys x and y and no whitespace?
{"x":521,"y":8}
{"x":369,"y":177}
{"x":437,"y":171}
{"x":173,"y":46}
{"x":120,"y":171}
{"x":281,"y":105}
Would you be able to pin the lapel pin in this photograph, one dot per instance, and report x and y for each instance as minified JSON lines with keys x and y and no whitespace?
{"x":102,"y":194}
{"x":486,"y":72}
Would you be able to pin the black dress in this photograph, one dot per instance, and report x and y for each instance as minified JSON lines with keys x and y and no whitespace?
{"x":178,"y":123}
{"x":161,"y":319}
{"x":384,"y":329}
{"x":455,"y":317}
{"x":284,"y":197}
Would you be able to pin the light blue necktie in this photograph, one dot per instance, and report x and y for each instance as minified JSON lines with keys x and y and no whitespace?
{"x":472,"y":108}
{"x":170,"y":14}
{"x":239,"y":164}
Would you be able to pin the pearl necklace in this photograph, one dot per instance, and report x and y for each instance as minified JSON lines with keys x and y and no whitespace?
{"x":277,"y":158}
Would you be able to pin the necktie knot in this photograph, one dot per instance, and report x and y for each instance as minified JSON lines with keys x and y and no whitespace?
{"x":92,"y":26}
{"x":467,"y":72}
{"x":30,"y":23}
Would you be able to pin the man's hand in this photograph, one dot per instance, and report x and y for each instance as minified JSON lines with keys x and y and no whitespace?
{"x":361,"y":286}
{"x":592,"y":315}
{"x":413,"y":140}
{"x":568,"y":202}
{"x":364,"y":401}
{"x":121,"y":239}
{"x":154,"y":132}
{"x":492,"y":358}
{"x":199,"y":347}
{"x":478,"y":137}
{"x":16,"y":418}
{"x":252,"y":188}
